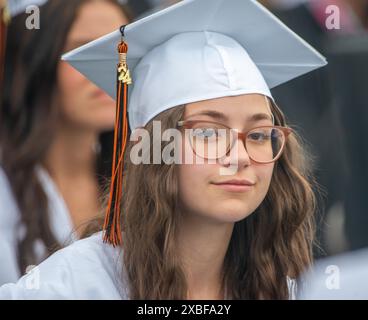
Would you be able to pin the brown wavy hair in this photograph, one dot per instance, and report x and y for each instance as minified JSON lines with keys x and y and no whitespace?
{"x":265,"y":248}
{"x":28,"y":114}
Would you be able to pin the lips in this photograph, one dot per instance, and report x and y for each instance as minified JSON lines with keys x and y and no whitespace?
{"x":236,"y":182}
{"x":235,"y":185}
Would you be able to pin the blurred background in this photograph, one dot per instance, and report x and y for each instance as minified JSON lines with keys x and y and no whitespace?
{"x":328,"y":107}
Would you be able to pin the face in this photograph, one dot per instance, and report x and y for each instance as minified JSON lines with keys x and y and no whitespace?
{"x":201,"y":186}
{"x":82,"y":103}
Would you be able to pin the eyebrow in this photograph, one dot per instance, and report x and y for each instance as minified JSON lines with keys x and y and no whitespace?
{"x":221,"y":116}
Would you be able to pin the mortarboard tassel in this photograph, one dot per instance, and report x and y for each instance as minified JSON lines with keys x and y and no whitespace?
{"x":4,"y":21}
{"x":112,"y":225}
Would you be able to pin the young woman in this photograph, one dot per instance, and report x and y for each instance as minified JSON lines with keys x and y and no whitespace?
{"x":52,"y":119}
{"x":228,"y":214}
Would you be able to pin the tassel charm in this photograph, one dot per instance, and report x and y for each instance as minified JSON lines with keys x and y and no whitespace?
{"x":112,"y":225}
{"x":124,"y":73}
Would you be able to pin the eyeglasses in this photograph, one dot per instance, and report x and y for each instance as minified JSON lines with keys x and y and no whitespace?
{"x":213,"y":140}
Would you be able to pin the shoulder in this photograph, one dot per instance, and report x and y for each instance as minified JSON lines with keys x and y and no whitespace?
{"x":87,"y":269}
{"x":339,"y":277}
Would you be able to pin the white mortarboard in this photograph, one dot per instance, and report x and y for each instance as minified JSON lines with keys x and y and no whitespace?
{"x":193,"y":51}
{"x":197,"y":50}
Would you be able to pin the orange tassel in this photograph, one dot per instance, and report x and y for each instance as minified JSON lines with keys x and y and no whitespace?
{"x":4,"y":21}
{"x":112,"y":225}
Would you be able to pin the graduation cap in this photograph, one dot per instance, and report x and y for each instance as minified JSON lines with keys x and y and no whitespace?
{"x":192,"y":51}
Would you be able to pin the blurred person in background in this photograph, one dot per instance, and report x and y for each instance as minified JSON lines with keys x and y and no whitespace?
{"x":52,"y":164}
{"x":321,"y":120}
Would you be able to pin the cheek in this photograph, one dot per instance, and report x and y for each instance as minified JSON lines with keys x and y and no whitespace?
{"x":193,"y":187}
{"x":79,"y":105}
{"x":69,"y":80}
{"x":71,"y":89}
{"x":264,"y":176}
{"x":193,"y":175}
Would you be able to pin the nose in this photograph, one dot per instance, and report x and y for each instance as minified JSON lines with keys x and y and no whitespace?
{"x":237,"y":157}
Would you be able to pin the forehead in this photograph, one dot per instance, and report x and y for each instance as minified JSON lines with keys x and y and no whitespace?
{"x":237,"y":107}
{"x":95,"y":19}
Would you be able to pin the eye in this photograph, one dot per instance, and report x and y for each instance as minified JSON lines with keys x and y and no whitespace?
{"x":259,"y":136}
{"x":205,"y":132}
{"x":209,"y":132}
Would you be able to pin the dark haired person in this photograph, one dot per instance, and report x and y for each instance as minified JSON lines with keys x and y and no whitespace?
{"x":53,"y":120}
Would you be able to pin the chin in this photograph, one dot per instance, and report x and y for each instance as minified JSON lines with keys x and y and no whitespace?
{"x":236,"y":217}
{"x":105,"y":127}
{"x":103,"y":123}
{"x":97,"y":127}
{"x":232,"y":214}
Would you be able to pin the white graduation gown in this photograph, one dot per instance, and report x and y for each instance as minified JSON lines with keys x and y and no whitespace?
{"x":341,"y":277}
{"x":10,"y":229}
{"x":88,"y":269}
